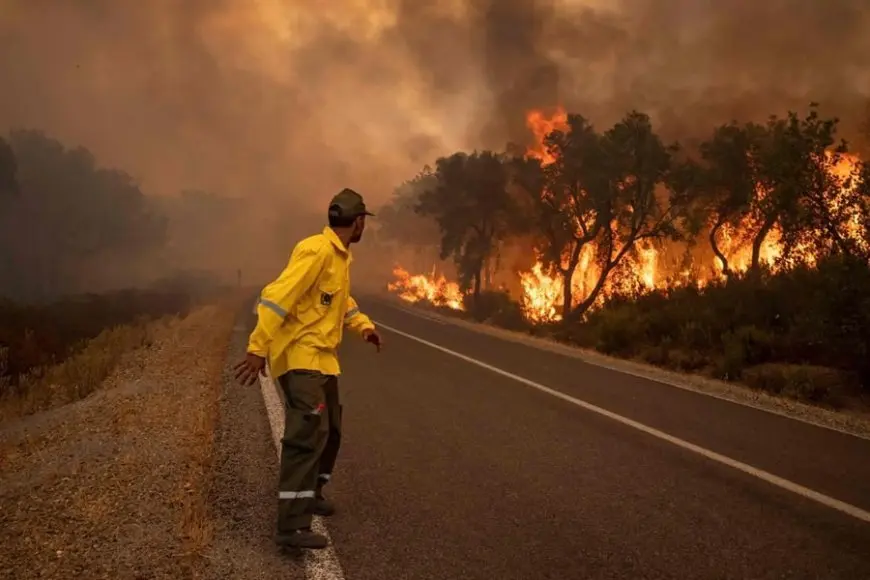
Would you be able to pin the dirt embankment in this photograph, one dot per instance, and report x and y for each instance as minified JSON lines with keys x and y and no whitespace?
{"x":117,"y":485}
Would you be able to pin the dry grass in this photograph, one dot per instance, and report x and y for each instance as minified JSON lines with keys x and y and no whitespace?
{"x":81,"y":374}
{"x":196,"y":526}
{"x":115,"y":485}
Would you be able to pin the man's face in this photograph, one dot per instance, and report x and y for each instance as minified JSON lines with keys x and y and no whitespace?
{"x":358,"y":226}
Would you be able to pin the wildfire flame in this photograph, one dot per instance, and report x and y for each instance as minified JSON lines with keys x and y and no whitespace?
{"x":543,"y":291}
{"x":540,"y":126}
{"x":435,"y":289}
{"x":542,"y":294}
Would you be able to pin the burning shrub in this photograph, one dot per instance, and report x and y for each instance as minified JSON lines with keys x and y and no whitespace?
{"x":434,"y":289}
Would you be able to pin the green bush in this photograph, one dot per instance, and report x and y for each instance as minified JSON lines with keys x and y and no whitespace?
{"x":805,"y":382}
{"x":496,"y":308}
{"x":618,"y":332}
{"x":654,"y":354}
{"x":685,"y":360}
{"x":746,"y":346}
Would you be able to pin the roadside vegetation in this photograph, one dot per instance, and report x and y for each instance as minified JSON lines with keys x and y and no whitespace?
{"x":60,"y":352}
{"x":743,"y":257}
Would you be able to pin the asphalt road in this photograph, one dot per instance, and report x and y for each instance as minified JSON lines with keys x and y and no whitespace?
{"x":452,"y":471}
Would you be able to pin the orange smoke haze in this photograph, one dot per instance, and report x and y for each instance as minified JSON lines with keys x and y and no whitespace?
{"x":283,"y":102}
{"x":285,"y":99}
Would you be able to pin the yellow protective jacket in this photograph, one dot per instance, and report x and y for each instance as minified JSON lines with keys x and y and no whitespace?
{"x":301,"y":314}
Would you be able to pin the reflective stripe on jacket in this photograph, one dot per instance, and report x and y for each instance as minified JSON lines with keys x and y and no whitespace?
{"x":302,"y":313}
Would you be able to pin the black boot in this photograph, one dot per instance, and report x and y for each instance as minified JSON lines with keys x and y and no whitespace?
{"x":322,"y":506}
{"x":303,"y":538}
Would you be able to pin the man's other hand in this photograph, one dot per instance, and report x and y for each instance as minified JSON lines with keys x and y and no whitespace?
{"x":249,"y":369}
{"x":373,"y":337}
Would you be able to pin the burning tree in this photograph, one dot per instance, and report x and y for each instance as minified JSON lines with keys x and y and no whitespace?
{"x":470,"y":201}
{"x":792,"y":159}
{"x":599,"y":196}
{"x":814,"y":181}
{"x":776,"y":194}
{"x":722,"y":186}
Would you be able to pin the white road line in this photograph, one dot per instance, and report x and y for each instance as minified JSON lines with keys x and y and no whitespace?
{"x":319,"y":564}
{"x":770,"y":478}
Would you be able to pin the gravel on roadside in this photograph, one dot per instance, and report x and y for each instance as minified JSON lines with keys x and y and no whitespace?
{"x":116,"y":485}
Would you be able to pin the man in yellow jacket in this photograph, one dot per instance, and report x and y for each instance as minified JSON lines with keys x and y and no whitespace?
{"x":300,"y":319}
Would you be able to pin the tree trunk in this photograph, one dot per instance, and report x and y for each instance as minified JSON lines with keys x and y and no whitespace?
{"x":726,"y":269}
{"x":477,"y":283}
{"x":568,"y":280}
{"x":567,"y":296}
{"x":587,"y":303}
{"x":758,"y":241}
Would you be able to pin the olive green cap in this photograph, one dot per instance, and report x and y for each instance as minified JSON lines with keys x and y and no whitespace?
{"x":348,"y":204}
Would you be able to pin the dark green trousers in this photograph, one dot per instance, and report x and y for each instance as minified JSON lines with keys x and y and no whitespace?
{"x":309,"y":447}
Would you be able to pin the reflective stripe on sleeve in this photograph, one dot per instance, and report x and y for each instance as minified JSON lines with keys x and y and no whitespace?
{"x":273,"y":307}
{"x":351,"y":313}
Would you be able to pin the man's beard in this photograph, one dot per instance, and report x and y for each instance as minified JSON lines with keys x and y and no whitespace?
{"x":355,"y":238}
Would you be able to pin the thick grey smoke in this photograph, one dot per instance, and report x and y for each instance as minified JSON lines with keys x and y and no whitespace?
{"x":286,"y":101}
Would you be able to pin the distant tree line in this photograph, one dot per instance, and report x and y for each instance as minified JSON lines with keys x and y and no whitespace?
{"x":68,"y":225}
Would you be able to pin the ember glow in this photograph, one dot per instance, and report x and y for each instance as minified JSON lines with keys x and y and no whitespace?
{"x":641,"y":270}
{"x":434,"y":288}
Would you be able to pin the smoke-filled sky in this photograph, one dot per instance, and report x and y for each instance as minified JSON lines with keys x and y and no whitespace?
{"x":294,"y":99}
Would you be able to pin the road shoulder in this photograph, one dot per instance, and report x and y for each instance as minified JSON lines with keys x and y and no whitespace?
{"x":114,"y":485}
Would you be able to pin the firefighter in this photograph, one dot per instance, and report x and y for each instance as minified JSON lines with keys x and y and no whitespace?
{"x":300,"y":319}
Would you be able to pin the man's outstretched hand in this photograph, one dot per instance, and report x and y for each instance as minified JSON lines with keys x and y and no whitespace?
{"x":250,"y":369}
{"x":373,"y":337}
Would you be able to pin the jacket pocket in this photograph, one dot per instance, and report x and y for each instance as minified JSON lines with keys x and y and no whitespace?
{"x":328,"y":297}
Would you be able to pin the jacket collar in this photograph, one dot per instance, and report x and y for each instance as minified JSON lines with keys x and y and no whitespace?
{"x":336,"y":241}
